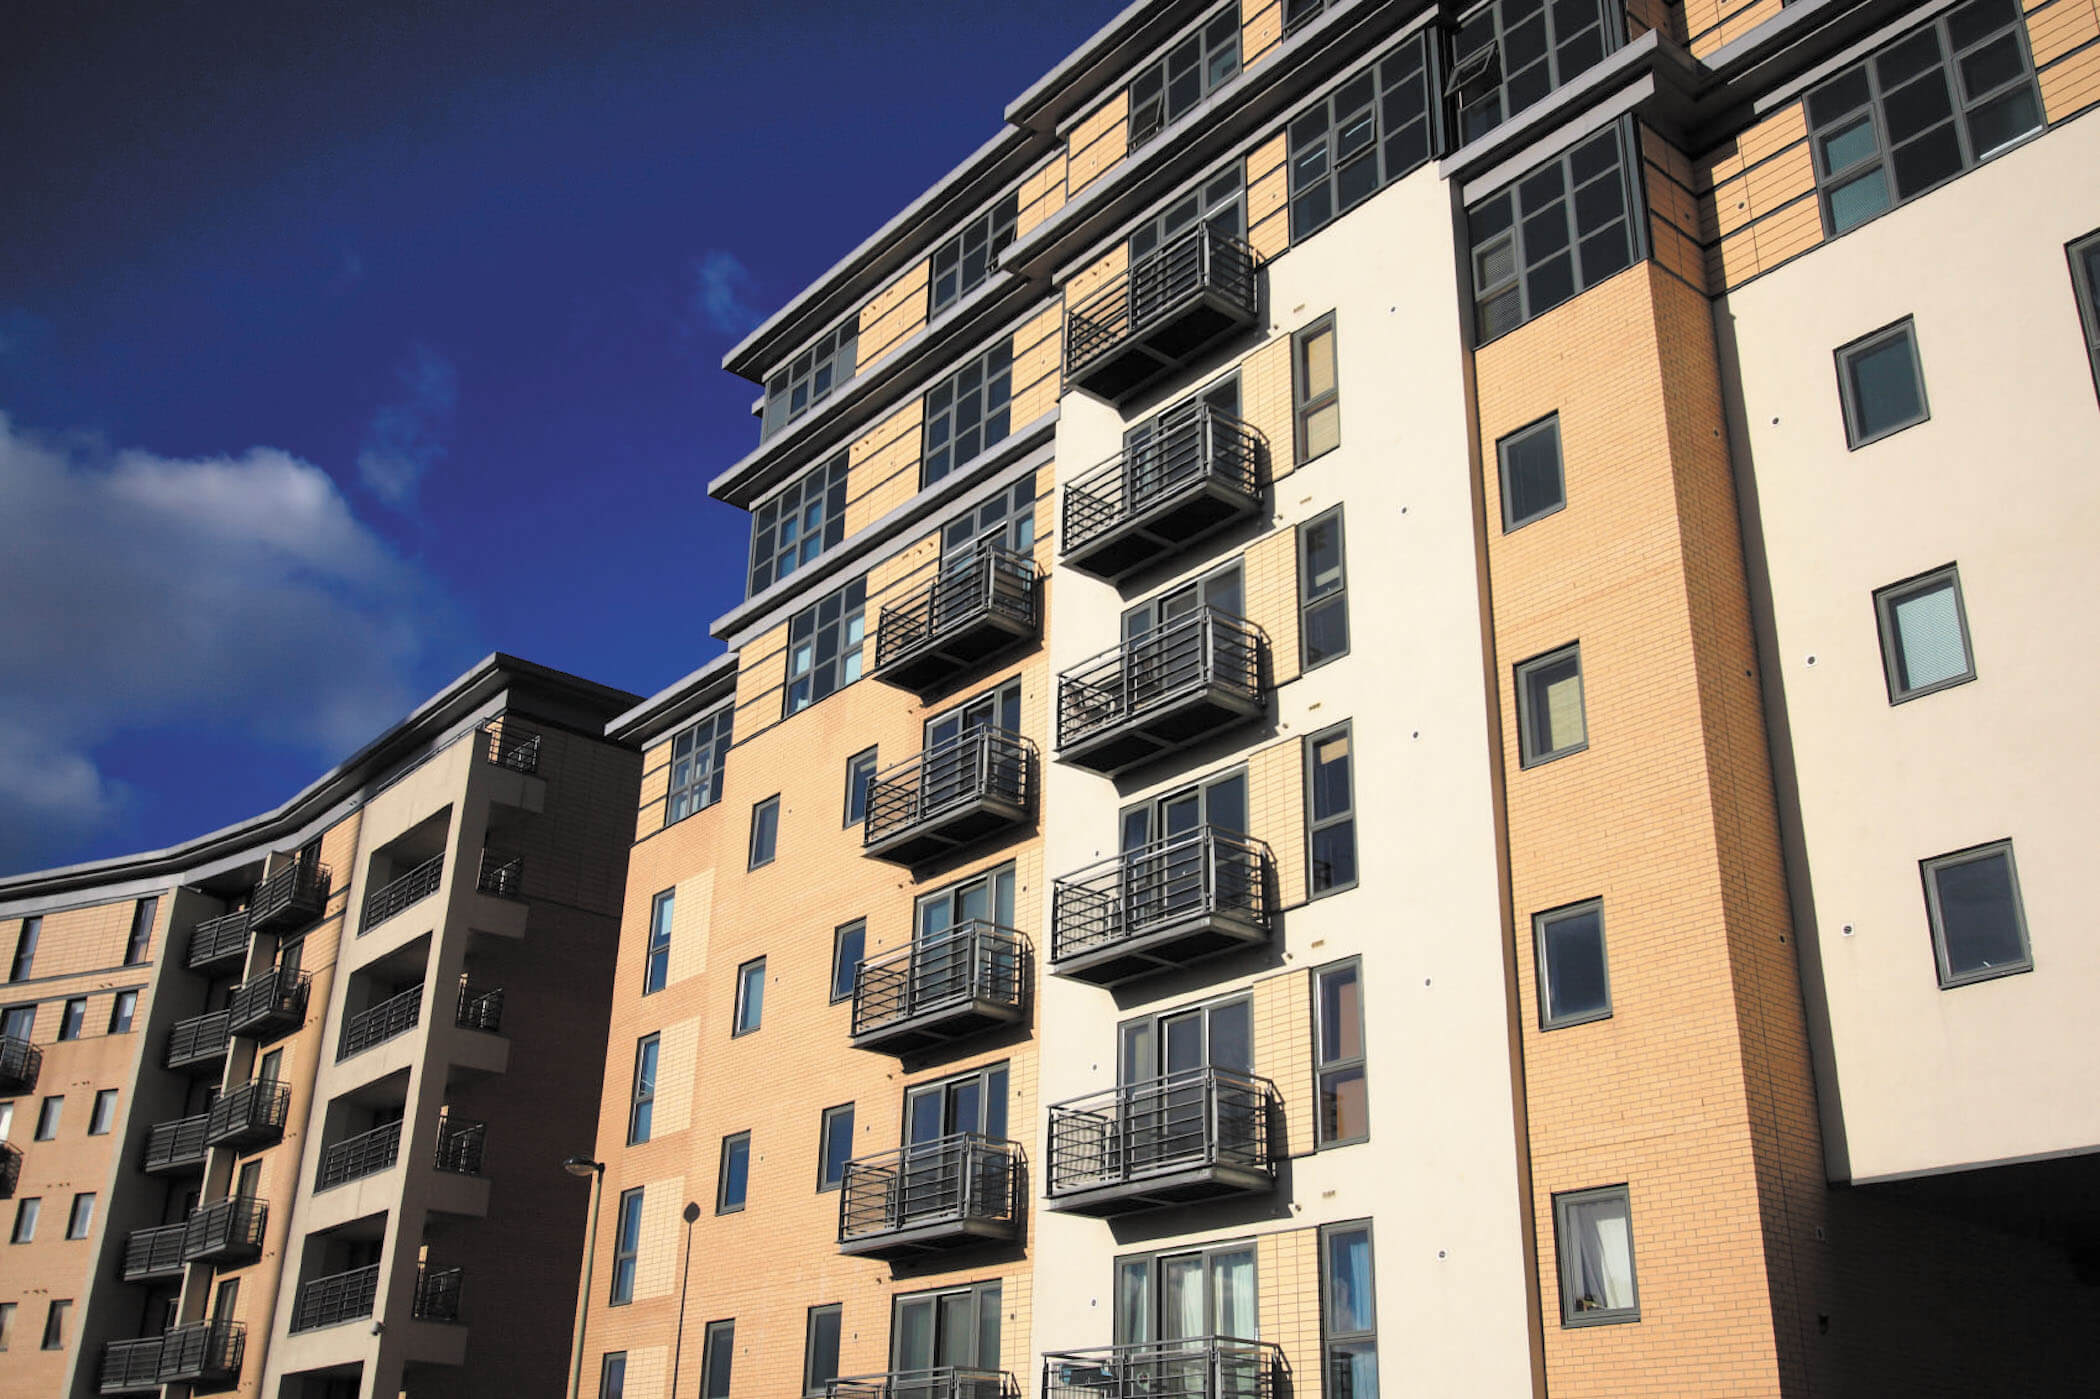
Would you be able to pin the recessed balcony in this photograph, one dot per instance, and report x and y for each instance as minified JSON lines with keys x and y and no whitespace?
{"x":1195,"y":1135}
{"x":959,"y":1190}
{"x":176,"y":1148}
{"x":228,"y":1232}
{"x":460,"y":1146}
{"x":1195,"y":1367}
{"x":289,"y":899}
{"x":1169,"y":307}
{"x":480,"y":1008}
{"x":219,"y":940}
{"x":398,"y":894}
{"x":941,"y":987}
{"x":969,"y":613}
{"x":1165,"y":689}
{"x":153,"y":1254}
{"x":336,"y":1298}
{"x":249,"y":1116}
{"x":269,"y":1006}
{"x":20,"y":1063}
{"x":204,"y":1354}
{"x":952,"y":795}
{"x":198,"y":1045}
{"x":942,"y":1382}
{"x":391,"y":1018}
{"x":1160,"y":906}
{"x":1149,"y":502}
{"x":510,"y":745}
{"x":366,"y":1154}
{"x":437,"y":1293}
{"x":501,"y":874}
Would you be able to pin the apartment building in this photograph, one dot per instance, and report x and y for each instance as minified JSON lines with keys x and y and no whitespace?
{"x":1383,"y":732}
{"x":278,"y":1100}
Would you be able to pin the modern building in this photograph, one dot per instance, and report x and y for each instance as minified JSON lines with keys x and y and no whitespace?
{"x":279,"y":1101}
{"x":1393,"y":726}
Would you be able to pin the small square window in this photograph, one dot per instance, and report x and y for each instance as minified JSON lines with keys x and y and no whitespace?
{"x":1882,"y":384}
{"x":1550,"y":719}
{"x":860,"y":771}
{"x":765,"y":831}
{"x":1574,"y":981}
{"x":848,"y":946}
{"x":834,"y":1147}
{"x":1979,"y":929}
{"x":1924,"y":635}
{"x":1532,"y":483}
{"x":750,"y":997}
{"x":735,"y":1178}
{"x":1593,"y":1231}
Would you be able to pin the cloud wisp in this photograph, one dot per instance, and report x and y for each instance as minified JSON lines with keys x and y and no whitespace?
{"x":721,"y":294}
{"x":412,"y":431}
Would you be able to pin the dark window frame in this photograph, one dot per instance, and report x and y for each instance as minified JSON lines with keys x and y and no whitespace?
{"x":988,"y":379}
{"x":825,"y":644}
{"x":50,"y":1116}
{"x":714,"y":1368}
{"x":26,"y":938}
{"x":861,"y":765}
{"x":732,"y":1145}
{"x":1324,"y":1068}
{"x":822,"y":488}
{"x":1335,"y":598}
{"x":1528,"y":754}
{"x":1856,"y":435}
{"x":1332,"y":1339}
{"x":72,"y":1018}
{"x":123,"y":1012}
{"x":701,"y":750}
{"x":1570,"y":1315}
{"x":627,"y":1243}
{"x":1306,"y":404}
{"x":744,"y":1007}
{"x":1315,"y":823}
{"x":612,"y":1375}
{"x":656,"y":952}
{"x":55,"y":1323}
{"x":1929,"y":868}
{"x":813,"y":375}
{"x":102,"y":1112}
{"x":1176,"y":81}
{"x":765,"y":823}
{"x":1495,"y":227}
{"x":827,"y":1122}
{"x":838,"y":962}
{"x":1888,"y":599}
{"x":1548,"y":426}
{"x":812,"y":1382}
{"x":2084,"y":255}
{"x":29,"y":1210}
{"x":144,"y":914}
{"x":1325,"y":154}
{"x":80,"y":1218}
{"x":1540,"y":923}
{"x":967,"y":260}
{"x":1478,"y":66}
{"x":641,"y":1103}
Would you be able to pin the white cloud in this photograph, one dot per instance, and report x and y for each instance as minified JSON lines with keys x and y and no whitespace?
{"x":411,"y":432}
{"x":722,"y":288}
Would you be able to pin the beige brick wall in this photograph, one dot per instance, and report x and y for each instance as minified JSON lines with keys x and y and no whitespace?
{"x":1268,"y":198}
{"x":1261,"y":29}
{"x":1673,"y":210}
{"x":882,"y":466}
{"x":1038,"y":358}
{"x":1098,"y":142}
{"x":692,"y":918}
{"x":1265,"y":403}
{"x":1276,"y":811}
{"x":1283,"y":1055}
{"x":1756,"y":199}
{"x":1712,"y":24}
{"x":897,"y":313}
{"x":677,"y":1075}
{"x":1271,"y":572}
{"x":2063,"y":35}
{"x":1042,"y":193}
{"x":1287,"y":1303}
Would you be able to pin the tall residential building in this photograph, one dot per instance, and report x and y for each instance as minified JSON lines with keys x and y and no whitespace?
{"x":281,"y":1103}
{"x":1393,"y":726}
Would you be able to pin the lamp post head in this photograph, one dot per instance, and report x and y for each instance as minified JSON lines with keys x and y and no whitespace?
{"x":583,"y":1166}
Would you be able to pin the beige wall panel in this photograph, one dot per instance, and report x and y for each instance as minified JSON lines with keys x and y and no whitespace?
{"x":1038,"y":356}
{"x":677,"y":1075}
{"x":1097,"y":143}
{"x":660,"y":1250}
{"x":692,"y":916}
{"x":761,"y":672}
{"x":1287,"y":1299}
{"x":897,"y":313}
{"x":1265,"y":402}
{"x":2055,"y":29}
{"x":1087,"y":283}
{"x":1276,"y":810}
{"x":1271,"y":572}
{"x":648,"y":1374}
{"x":2072,"y":84}
{"x":1283,"y":1054}
{"x":883,"y":467}
{"x":1268,"y":199}
{"x":900,"y":572}
{"x":1261,"y":29}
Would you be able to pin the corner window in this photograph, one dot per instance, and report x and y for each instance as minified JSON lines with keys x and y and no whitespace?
{"x":1533,"y":486}
{"x":1550,"y":720}
{"x":811,"y":376}
{"x":717,"y":1352}
{"x":820,"y":1349}
{"x":834,"y":1146}
{"x":1190,"y":71}
{"x":962,"y":264}
{"x":1924,"y":635}
{"x":1316,"y":390}
{"x":82,"y":1218}
{"x":1558,"y":231}
{"x":765,"y":831}
{"x":750,"y":996}
{"x":697,"y":758}
{"x":1338,"y":1030}
{"x":2085,"y":283}
{"x":1323,"y":608}
{"x":967,"y":413}
{"x":1374,"y":128}
{"x":860,"y":771}
{"x":793,"y":527}
{"x":656,"y":964}
{"x":73,"y":1019}
{"x":612,"y":1375}
{"x":824,"y":643}
{"x":734,"y":1179}
{"x":141,"y":941}
{"x":1574,"y":981}
{"x":1349,"y":1311}
{"x":641,"y":1114}
{"x":1330,"y":808}
{"x":25,"y":949}
{"x":122,"y":1011}
{"x":1510,"y":54}
{"x":849,"y":944}
{"x":103,"y":1115}
{"x":1979,"y":929}
{"x":627,"y":1241}
{"x":1593,"y":1232}
{"x":1881,"y":384}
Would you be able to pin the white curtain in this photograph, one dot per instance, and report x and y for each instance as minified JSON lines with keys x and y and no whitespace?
{"x":1232,"y":1295}
{"x":1604,"y":1255}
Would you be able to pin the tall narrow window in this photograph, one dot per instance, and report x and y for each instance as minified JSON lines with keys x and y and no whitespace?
{"x":7,"y":1325}
{"x":1924,"y":635}
{"x":765,"y":831}
{"x":1323,"y":611}
{"x":121,"y":1012}
{"x":656,"y":967}
{"x":47,"y":1115}
{"x":1550,"y":719}
{"x":612,"y":1375}
{"x":26,"y":1211}
{"x":750,"y":997}
{"x":1338,"y":1013}
{"x":18,"y":1022}
{"x":1532,"y":483}
{"x":55,"y":1323}
{"x":104,"y":1114}
{"x":834,"y":1146}
{"x":82,"y":1218}
{"x":627,"y":1241}
{"x":849,"y":944}
{"x":1881,"y":384}
{"x":641,"y":1114}
{"x":697,"y":758}
{"x":1979,"y":928}
{"x":1330,"y":806}
{"x":1574,"y":979}
{"x":228,"y":1300}
{"x":2085,"y":282}
{"x":734,"y":1180}
{"x":25,"y":949}
{"x":73,"y":1018}
{"x":824,"y":646}
{"x":820,"y":1349}
{"x":967,"y":413}
{"x":716,"y":1354}
{"x":1593,"y":1230}
{"x":1317,"y":389}
{"x":860,"y":771}
{"x":141,"y":931}
{"x":1349,"y":1311}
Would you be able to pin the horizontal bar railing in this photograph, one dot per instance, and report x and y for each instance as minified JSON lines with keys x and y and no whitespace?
{"x":365,"y":1154}
{"x":480,"y":1008}
{"x":216,"y":938}
{"x":177,"y":1143}
{"x":278,"y":994}
{"x":1202,"y":259}
{"x":972,"y":961}
{"x":437,"y":1293}
{"x":964,"y":1177}
{"x":1181,"y":1121}
{"x":1194,"y":1367}
{"x":131,"y":1364}
{"x":509,"y":745}
{"x":1198,"y":873}
{"x":203,"y":1350}
{"x":979,"y":765}
{"x":942,"y":1382}
{"x":398,"y":893}
{"x":1202,"y":650}
{"x":148,"y":1252}
{"x":20,"y":1064}
{"x":199,"y":1037}
{"x":460,"y":1145}
{"x":501,"y":874}
{"x":259,"y":1106}
{"x":234,"y":1224}
{"x":339,"y":1297}
{"x":1208,"y":444}
{"x":396,"y":1015}
{"x":991,"y":580}
{"x":293,"y":896}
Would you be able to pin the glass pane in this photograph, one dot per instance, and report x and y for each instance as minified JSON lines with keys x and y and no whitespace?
{"x":1849,"y":143}
{"x":1575,"y":972}
{"x":1323,"y":430}
{"x":1181,"y":1297}
{"x":1553,"y":694}
{"x":1858,"y":200}
{"x":1232,"y":1037}
{"x":1597,"y":1256}
{"x":2003,"y":119}
{"x":1334,"y":856}
{"x":1350,"y":1305}
{"x":1323,"y":557}
{"x":1319,"y":365}
{"x":987,"y":1357}
{"x":1225,"y":803}
{"x":1884,"y":381}
{"x":1133,"y":1290}
{"x":956,"y":1337}
{"x":1929,"y":649}
{"x":1232,"y":1294}
{"x":838,"y":1144}
{"x":912,"y":1345}
{"x":1330,"y":794}
{"x":1531,"y":479}
{"x":1326,"y":631}
{"x":1352,"y":1370}
{"x":1926,"y":161}
{"x":1344,"y":1106}
{"x":1979,"y":924}
{"x":1341,"y":1016}
{"x":823,"y":1348}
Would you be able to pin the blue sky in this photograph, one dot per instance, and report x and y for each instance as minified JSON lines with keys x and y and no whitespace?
{"x":343,"y":344}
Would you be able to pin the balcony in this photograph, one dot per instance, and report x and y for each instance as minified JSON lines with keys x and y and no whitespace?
{"x":1160,"y":906}
{"x":950,"y":796}
{"x":269,"y":1006}
{"x":940,"y":988}
{"x":1194,"y":1135}
{"x":199,"y":1044}
{"x":437,"y":1294}
{"x":1169,"y":307}
{"x":20,"y":1063}
{"x":946,"y":1382}
{"x":1165,"y":689}
{"x":206,"y":1354}
{"x":10,"y":1169}
{"x":289,"y":899}
{"x":502,"y":875}
{"x":965,"y":616}
{"x":249,"y":1116}
{"x":131,"y":1365}
{"x":218,"y":940}
{"x":1152,"y":501}
{"x":959,"y":1190}
{"x":153,"y":1254}
{"x":366,"y":1154}
{"x":1194,"y":1367}
{"x":392,"y":1017}
{"x":230,"y":1231}
{"x":335,"y":1299}
{"x":176,"y":1148}
{"x":397,"y":894}
{"x":507,"y":745}
{"x":480,"y":1008}
{"x":459,"y":1146}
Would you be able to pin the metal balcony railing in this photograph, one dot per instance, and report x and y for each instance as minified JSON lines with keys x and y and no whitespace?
{"x":959,"y":1189}
{"x":950,"y":795}
{"x":227,"y":1231}
{"x":480,"y":1008}
{"x":220,"y":939}
{"x":459,"y":1146}
{"x":289,"y":899}
{"x":437,"y":1293}
{"x":203,"y":1353}
{"x":249,"y":1115}
{"x":1195,"y":1367}
{"x":971,"y":611}
{"x":1160,"y":906}
{"x":153,"y":1253}
{"x":397,"y":894}
{"x":20,"y":1063}
{"x":1200,"y":470}
{"x":10,"y":1169}
{"x":502,"y":875}
{"x":178,"y":1146}
{"x":269,"y":1005}
{"x":945,"y":1382}
{"x":1187,"y":1135}
{"x":367,"y":1153}
{"x":396,"y":1015}
{"x":201,"y":1041}
{"x":130,"y":1365}
{"x":941,"y":986}
{"x":1168,"y":307}
{"x":508,"y":745}
{"x":1164,"y":689}
{"x":335,"y":1299}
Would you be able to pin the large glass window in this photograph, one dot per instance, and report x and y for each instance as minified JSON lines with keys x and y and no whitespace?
{"x":811,"y":376}
{"x":793,"y":527}
{"x":1330,"y":808}
{"x":1187,"y":1294}
{"x":1370,"y":131}
{"x":698,"y":755}
{"x":1349,"y":1311}
{"x":1560,"y":230}
{"x":824,"y":646}
{"x":627,"y":1240}
{"x":967,"y":413}
{"x":1593,"y":1230}
{"x":1979,"y":929}
{"x":1219,"y":203}
{"x":1005,"y":521}
{"x":1509,"y":54}
{"x":963,"y":262}
{"x":656,"y":965}
{"x":1924,"y":635}
{"x":1190,"y":71}
{"x":1338,"y":1041}
{"x":956,"y":1326}
{"x":27,"y":1211}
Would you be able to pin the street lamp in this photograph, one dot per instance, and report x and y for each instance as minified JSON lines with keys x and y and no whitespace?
{"x":581,"y":1166}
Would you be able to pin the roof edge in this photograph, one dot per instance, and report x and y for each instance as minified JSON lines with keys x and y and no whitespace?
{"x":686,"y":696}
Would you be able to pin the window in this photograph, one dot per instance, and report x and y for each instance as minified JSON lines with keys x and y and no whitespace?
{"x":1574,"y":980}
{"x":1924,"y":634}
{"x":849,"y":944}
{"x":141,"y":931}
{"x":860,"y":771}
{"x":717,"y":1352}
{"x":1349,"y":1311}
{"x":834,"y":1147}
{"x":7,"y":1325}
{"x":735,"y":1178}
{"x":1005,"y":521}
{"x":1593,"y":1231}
{"x":612,"y":1375}
{"x":963,"y":262}
{"x":627,"y":1239}
{"x":47,"y":1117}
{"x":1561,"y":229}
{"x":957,"y":1326}
{"x":1330,"y":805}
{"x":1315,"y":390}
{"x":1158,"y":1295}
{"x":1906,"y":119}
{"x":641,"y":1112}
{"x":1373,"y":129}
{"x":1532,"y":484}
{"x":55,"y":1324}
{"x":7,"y":1120}
{"x":820,"y":1349}
{"x":811,"y":376}
{"x":228,"y":1299}
{"x":104,"y":1114}
{"x":697,"y":757}
{"x":1299,"y":13}
{"x":25,"y":949}
{"x":82,"y":1217}
{"x":1509,"y":54}
{"x":26,"y":1211}
{"x":1550,"y":722}
{"x":824,"y":646}
{"x":18,"y":1022}
{"x":792,"y":528}
{"x":1881,"y":384}
{"x":750,"y":996}
{"x":121,"y":1012}
{"x":1979,"y":929}
{"x":969,"y":1102}
{"x":1338,"y":1036}
{"x":73,"y":1018}
{"x":765,"y":831}
{"x":1219,"y":204}
{"x":967,"y":413}
{"x":1190,"y":71}
{"x":1323,"y":611}
{"x":656,"y":965}
{"x":2085,"y":280}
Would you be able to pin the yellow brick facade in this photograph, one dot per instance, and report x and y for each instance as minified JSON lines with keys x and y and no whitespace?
{"x":897,"y":313}
{"x":1097,"y":143}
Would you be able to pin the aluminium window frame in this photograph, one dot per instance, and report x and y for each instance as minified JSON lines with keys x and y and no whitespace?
{"x":55,"y":1323}
{"x":1563,"y":1202}
{"x":144,"y":914}
{"x":1305,"y":405}
{"x":765,"y":820}
{"x":1314,"y":131}
{"x":1338,"y":597}
{"x":102,"y":1114}
{"x":992,"y":366}
{"x":1314,"y":823}
{"x":626,"y":1248}
{"x":123,"y":1012}
{"x":1632,"y":215}
{"x":1322,"y":1069}
{"x":1149,"y":1260}
{"x":656,"y":950}
{"x":819,"y":359}
{"x":708,"y":756}
{"x":862,"y":765}
{"x":827,"y":1122}
{"x":1214,"y":25}
{"x":722,"y":1332}
{"x":642,"y":1089}
{"x":50,"y":1115}
{"x":823,"y":485}
{"x":72,"y":1019}
{"x":2085,"y":289}
{"x":1529,"y":757}
{"x":1330,"y":1338}
{"x":1888,"y":599}
{"x":612,"y":1375}
{"x":1905,"y":329}
{"x":23,"y":966}
{"x":814,"y":1384}
{"x":832,"y":647}
{"x":1928,"y":868}
{"x":1547,"y":426}
{"x":1540,"y":922}
{"x":80,"y":1218}
{"x":732,"y":1145}
{"x":743,"y":1006}
{"x":993,"y":229}
{"x":838,"y":961}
